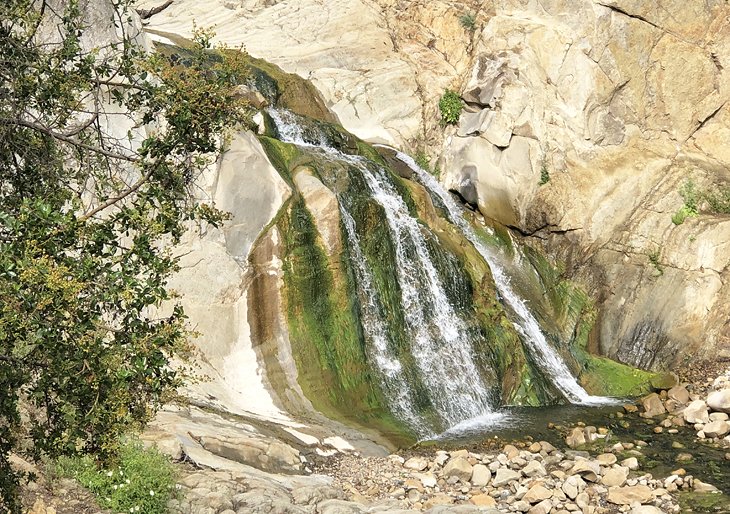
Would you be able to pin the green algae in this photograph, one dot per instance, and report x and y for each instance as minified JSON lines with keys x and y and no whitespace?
{"x":568,"y":315}
{"x":325,"y":334}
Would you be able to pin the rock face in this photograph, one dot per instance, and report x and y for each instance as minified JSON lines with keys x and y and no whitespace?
{"x":212,"y":273}
{"x":555,"y":94}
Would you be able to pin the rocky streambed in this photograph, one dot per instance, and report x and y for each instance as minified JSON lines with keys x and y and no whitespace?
{"x":667,"y":453}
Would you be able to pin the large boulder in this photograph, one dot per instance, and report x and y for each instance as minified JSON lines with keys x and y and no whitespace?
{"x":719,"y":400}
{"x":653,"y":405}
{"x":717,"y":428}
{"x":458,"y":467}
{"x":696,"y":412}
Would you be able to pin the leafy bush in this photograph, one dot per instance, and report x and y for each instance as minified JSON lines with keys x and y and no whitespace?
{"x":424,"y":162}
{"x":87,"y":220}
{"x":450,"y":107}
{"x":468,"y":21}
{"x":689,"y":193}
{"x":718,"y":201}
{"x":144,"y":480}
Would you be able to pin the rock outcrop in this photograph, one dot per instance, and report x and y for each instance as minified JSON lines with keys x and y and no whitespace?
{"x":583,"y":122}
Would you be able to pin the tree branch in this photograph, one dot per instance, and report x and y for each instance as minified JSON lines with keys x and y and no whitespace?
{"x":148,"y":13}
{"x":121,"y":196}
{"x":68,"y":139}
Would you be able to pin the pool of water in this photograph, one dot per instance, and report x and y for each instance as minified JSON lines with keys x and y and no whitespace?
{"x":552,"y":423}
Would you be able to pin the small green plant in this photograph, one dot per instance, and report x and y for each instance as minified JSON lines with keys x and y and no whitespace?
{"x":719,"y":200}
{"x":544,"y":173}
{"x":655,"y":260}
{"x":690,"y":195}
{"x":144,"y":480}
{"x":424,"y":162}
{"x":450,"y":107}
{"x":468,"y":21}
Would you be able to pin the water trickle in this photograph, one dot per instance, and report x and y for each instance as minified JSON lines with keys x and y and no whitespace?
{"x":528,"y":327}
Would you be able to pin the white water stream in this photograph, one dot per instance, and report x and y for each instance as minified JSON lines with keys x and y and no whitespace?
{"x":441,"y":344}
{"x":547,"y":357}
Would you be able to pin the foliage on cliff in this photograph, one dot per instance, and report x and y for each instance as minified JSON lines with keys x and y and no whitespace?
{"x":99,"y":150}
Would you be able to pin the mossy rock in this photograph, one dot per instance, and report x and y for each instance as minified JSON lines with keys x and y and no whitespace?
{"x":325,"y":333}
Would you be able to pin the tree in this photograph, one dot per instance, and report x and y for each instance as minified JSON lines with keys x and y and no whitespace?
{"x":100,"y":146}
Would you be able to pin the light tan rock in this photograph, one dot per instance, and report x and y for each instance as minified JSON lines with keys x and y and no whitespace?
{"x":537,"y":493}
{"x":679,"y":394}
{"x":588,"y":469}
{"x":504,"y":476}
{"x":573,"y":486}
{"x":534,"y":469}
{"x":629,"y":494}
{"x":716,"y":428}
{"x":719,"y":400}
{"x":653,"y":405}
{"x":483,"y":500}
{"x":544,"y":507}
{"x":323,"y":205}
{"x":632,"y":463}
{"x":615,"y":477}
{"x":606,"y":459}
{"x":416,"y":463}
{"x":458,"y":467}
{"x":696,"y":412}
{"x":702,"y":487}
{"x":480,"y":475}
{"x":576,"y":437}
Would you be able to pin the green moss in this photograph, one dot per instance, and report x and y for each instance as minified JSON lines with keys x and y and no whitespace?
{"x":499,"y":351}
{"x":293,"y":92}
{"x":282,"y":155}
{"x":703,"y":502}
{"x":369,"y":152}
{"x":325,"y":334}
{"x":571,"y":316}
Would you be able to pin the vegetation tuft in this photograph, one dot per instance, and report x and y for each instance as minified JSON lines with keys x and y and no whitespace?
{"x":143,"y":481}
{"x":424,"y":162}
{"x":655,"y":260}
{"x":468,"y":21}
{"x":450,"y":107}
{"x":717,"y":201}
{"x":544,"y":173}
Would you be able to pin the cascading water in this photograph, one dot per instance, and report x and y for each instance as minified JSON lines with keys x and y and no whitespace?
{"x":399,"y":395}
{"x":440,"y":342}
{"x":547,"y":357}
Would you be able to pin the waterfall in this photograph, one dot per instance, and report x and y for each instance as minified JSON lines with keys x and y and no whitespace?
{"x":528,"y":327}
{"x":399,"y":395}
{"x":440,"y":341}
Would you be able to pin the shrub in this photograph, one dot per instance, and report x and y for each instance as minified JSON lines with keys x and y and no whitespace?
{"x":689,"y":194}
{"x":450,"y":107}
{"x":544,"y":173}
{"x":88,"y":219}
{"x":144,"y":480}
{"x":719,"y":201}
{"x":468,"y":21}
